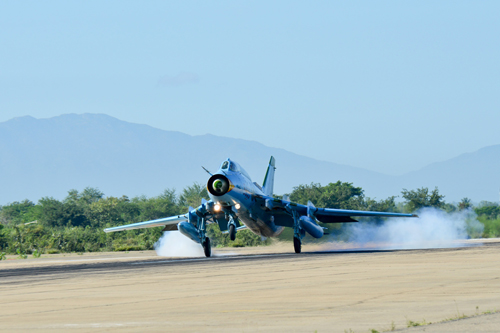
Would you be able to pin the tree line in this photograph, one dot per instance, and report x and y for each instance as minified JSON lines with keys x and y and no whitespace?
{"x":76,"y":223}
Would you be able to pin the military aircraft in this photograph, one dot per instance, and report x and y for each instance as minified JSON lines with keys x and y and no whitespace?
{"x":237,"y":203}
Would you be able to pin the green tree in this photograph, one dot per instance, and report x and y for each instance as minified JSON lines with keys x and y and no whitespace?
{"x":153,"y":208}
{"x":490,"y":210}
{"x":302,"y":193}
{"x":105,"y":212}
{"x":90,"y":195}
{"x":342,"y":195}
{"x":334,"y":195}
{"x":420,"y":198}
{"x":449,"y":208}
{"x":465,"y":204}
{"x":19,"y":212}
{"x":67,"y":213}
{"x":34,"y":237}
{"x":192,"y":195}
{"x":385,"y":205}
{"x":52,"y":212}
{"x":3,"y":238}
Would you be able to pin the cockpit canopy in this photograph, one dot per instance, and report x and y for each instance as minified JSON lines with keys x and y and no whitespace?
{"x":229,"y":165}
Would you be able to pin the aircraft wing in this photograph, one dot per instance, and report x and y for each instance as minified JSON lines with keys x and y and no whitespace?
{"x":330,"y":215}
{"x":325,"y":215}
{"x":167,"y":221}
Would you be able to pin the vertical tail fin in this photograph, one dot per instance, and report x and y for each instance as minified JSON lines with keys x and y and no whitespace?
{"x":268,"y":184}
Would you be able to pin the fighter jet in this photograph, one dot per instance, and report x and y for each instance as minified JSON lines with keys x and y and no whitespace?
{"x":237,"y":203}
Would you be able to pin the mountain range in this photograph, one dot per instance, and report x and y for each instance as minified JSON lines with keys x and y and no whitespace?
{"x":48,"y":157}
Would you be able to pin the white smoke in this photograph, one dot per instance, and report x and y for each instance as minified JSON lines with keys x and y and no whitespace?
{"x":174,"y":244}
{"x":433,"y":229}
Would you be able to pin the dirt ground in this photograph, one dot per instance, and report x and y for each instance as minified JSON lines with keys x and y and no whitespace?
{"x":259,"y":289}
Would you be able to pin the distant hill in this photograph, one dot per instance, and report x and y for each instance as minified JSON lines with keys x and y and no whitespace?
{"x":475,"y":175}
{"x":48,"y":157}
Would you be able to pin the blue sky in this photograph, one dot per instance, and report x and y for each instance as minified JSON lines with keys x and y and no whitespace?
{"x":389,"y":86}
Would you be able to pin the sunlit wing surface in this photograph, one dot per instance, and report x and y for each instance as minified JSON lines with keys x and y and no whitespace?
{"x":172,"y":220}
{"x":345,"y":212}
{"x":325,"y":215}
{"x":329,"y":215}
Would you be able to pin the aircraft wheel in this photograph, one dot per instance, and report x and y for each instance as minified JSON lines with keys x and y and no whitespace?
{"x":297,"y":244}
{"x":206,"y":247}
{"x":232,"y":232}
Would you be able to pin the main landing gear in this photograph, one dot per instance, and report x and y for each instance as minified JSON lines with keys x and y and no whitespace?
{"x":205,"y":241}
{"x":206,"y":247}
{"x":297,"y":244}
{"x":298,"y":232}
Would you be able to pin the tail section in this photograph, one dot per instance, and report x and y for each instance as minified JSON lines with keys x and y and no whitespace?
{"x":268,"y":185}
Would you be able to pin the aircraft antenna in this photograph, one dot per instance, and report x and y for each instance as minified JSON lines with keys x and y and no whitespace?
{"x":207,"y":170}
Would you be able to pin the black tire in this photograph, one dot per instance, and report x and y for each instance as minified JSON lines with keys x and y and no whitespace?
{"x":297,"y":244}
{"x":232,"y":232}
{"x":207,"y":248}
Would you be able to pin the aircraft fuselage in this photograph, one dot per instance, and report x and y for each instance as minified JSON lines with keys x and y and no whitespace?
{"x":240,"y":198}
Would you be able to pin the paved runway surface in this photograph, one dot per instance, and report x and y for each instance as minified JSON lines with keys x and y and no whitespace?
{"x":254,"y":290}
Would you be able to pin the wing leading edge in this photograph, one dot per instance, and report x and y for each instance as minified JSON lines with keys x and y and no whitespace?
{"x":150,"y":224}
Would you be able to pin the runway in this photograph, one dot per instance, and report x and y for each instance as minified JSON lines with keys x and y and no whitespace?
{"x":249,"y":290}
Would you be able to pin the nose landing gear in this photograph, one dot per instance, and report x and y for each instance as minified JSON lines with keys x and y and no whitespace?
{"x":231,"y":225}
{"x":232,"y":232}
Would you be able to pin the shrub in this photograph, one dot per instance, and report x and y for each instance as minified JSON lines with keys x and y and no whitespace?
{"x":22,"y":254}
{"x":129,"y":248}
{"x":36,"y":254}
{"x":491,"y":227}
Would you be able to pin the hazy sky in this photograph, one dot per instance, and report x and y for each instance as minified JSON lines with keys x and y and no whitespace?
{"x":389,"y":86}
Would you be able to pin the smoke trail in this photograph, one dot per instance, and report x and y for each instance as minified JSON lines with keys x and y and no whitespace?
{"x":174,"y":244}
{"x":433,"y":229}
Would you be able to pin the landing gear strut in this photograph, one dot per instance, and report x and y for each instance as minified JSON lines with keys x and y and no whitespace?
{"x":231,"y":225}
{"x":298,"y":232}
{"x":205,"y":241}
